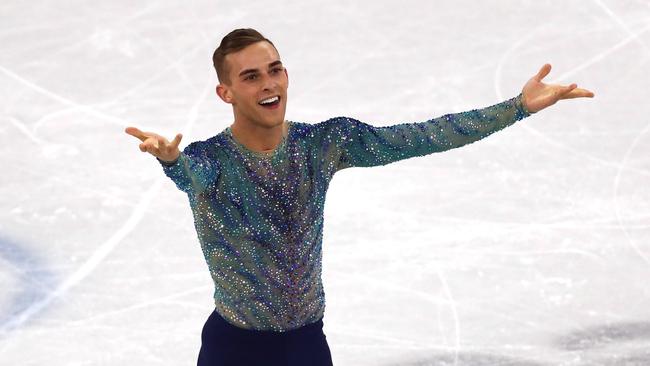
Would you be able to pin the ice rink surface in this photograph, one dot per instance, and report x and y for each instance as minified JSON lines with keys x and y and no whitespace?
{"x":530,"y":247}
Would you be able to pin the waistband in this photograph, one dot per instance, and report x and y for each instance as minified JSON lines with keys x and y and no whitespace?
{"x":307,"y":329}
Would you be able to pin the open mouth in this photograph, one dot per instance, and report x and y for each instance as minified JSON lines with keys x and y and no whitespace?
{"x":270,"y":103}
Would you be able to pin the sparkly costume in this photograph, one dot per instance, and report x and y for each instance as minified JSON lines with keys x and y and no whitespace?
{"x":259,"y":216}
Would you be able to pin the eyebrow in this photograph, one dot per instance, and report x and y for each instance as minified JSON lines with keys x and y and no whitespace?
{"x":251,"y":71}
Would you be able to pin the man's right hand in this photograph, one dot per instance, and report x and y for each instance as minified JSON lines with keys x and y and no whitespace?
{"x":157,"y":145}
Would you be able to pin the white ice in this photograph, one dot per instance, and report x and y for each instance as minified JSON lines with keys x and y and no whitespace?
{"x":530,"y":247}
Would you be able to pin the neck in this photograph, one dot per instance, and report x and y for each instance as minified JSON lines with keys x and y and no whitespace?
{"x":259,"y":138}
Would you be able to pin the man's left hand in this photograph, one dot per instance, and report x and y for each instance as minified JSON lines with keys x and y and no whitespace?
{"x":537,"y":95}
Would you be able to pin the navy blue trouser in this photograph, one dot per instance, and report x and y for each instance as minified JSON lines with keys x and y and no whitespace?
{"x":223,"y":344}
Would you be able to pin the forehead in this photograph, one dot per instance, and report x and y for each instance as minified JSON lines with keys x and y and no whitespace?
{"x":255,"y":56}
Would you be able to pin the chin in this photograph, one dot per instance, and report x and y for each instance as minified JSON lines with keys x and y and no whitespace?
{"x":272,"y":122}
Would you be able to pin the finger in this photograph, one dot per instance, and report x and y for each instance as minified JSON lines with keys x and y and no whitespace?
{"x":561,"y":91}
{"x":543,"y":72}
{"x":567,"y":89}
{"x":153,"y":150}
{"x":146,"y":146}
{"x":176,"y":141}
{"x":579,"y":93}
{"x":150,"y":144}
{"x":136,"y":133}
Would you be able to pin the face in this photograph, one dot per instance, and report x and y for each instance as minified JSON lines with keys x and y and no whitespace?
{"x":256,"y":75}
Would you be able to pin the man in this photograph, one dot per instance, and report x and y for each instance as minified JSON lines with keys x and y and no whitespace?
{"x":257,"y":191}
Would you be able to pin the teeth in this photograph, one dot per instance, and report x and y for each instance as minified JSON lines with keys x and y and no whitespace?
{"x":270,"y":100}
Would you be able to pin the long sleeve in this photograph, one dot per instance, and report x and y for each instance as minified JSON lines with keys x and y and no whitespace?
{"x":194,"y":169}
{"x":359,"y":144}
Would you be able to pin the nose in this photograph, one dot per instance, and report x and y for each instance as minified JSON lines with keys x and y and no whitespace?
{"x":269,"y":83}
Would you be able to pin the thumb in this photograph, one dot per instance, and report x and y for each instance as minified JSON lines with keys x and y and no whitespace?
{"x":543,"y":72}
{"x":177,"y":140}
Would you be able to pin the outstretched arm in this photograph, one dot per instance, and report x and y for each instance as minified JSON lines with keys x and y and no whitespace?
{"x":359,"y":144}
{"x":192,"y":170}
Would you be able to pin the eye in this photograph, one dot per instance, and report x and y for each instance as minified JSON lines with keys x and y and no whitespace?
{"x":251,"y":77}
{"x":276,"y":70}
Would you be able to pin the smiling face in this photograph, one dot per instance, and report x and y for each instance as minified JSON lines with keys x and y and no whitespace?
{"x":256,"y":75}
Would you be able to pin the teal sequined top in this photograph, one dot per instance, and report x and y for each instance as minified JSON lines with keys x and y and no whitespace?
{"x":259,"y":216}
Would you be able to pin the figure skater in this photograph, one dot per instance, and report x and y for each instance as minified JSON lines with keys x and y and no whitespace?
{"x":257,"y":192}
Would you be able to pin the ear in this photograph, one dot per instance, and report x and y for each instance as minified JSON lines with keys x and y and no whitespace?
{"x":224,"y":93}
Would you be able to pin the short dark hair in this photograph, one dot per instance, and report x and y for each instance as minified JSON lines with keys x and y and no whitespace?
{"x":234,"y":41}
